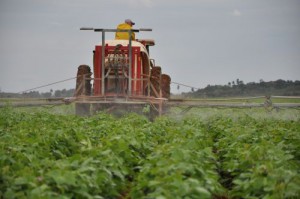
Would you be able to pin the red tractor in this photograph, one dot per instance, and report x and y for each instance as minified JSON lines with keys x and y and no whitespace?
{"x":124,"y":78}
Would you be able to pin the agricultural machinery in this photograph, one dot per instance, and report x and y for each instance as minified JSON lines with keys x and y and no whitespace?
{"x":124,"y":77}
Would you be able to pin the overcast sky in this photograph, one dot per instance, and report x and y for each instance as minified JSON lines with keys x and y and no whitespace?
{"x":198,"y":42}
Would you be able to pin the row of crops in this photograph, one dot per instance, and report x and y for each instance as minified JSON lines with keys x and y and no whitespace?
{"x":45,"y":155}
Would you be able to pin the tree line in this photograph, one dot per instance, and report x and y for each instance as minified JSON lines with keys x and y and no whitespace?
{"x":239,"y":89}
{"x":36,"y":94}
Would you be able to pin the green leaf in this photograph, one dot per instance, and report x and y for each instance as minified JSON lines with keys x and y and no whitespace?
{"x":203,"y":192}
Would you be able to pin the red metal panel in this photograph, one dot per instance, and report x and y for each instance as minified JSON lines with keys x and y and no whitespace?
{"x":97,"y":70}
{"x":133,"y":73}
{"x":138,"y":75}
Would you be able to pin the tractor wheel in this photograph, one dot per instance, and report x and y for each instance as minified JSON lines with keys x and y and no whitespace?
{"x":155,"y":80}
{"x":83,"y":88}
{"x":165,"y":85}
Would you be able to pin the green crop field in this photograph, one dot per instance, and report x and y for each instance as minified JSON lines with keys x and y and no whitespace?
{"x":204,"y":153}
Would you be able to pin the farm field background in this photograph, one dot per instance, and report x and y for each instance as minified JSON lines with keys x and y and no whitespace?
{"x":205,"y":153}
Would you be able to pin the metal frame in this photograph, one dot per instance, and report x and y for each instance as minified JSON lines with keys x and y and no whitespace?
{"x":103,"y":31}
{"x":130,"y":99}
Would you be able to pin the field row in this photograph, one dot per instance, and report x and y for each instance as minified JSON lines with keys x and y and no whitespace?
{"x":44,"y":155}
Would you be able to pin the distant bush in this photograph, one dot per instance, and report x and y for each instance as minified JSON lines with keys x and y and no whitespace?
{"x":37,"y":94}
{"x":238,"y":88}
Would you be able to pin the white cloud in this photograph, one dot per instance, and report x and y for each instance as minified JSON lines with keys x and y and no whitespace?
{"x":236,"y":13}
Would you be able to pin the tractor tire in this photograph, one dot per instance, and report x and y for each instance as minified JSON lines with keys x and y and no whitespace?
{"x":165,"y":85}
{"x":83,"y":72}
{"x":83,"y":88}
{"x":155,"y":80}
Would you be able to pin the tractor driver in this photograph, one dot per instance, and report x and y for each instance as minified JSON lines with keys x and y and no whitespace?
{"x":127,"y":25}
